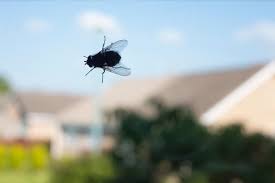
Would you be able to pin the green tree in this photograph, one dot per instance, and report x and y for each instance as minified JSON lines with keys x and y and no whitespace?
{"x":149,"y":149}
{"x":4,"y":85}
{"x":173,"y":146}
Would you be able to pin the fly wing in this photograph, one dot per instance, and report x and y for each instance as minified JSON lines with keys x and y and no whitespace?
{"x":119,"y":69}
{"x":117,"y":46}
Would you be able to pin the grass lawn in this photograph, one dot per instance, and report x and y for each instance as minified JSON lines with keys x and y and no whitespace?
{"x":24,"y":177}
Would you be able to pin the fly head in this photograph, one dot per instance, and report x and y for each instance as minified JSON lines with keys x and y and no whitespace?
{"x":89,"y":61}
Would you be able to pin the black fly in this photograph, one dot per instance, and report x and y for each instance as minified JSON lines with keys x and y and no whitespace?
{"x":109,"y":59}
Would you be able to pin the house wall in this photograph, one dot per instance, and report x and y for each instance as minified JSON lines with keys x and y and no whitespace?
{"x":10,"y":126}
{"x":76,"y":139}
{"x":256,"y":111}
{"x":41,"y":126}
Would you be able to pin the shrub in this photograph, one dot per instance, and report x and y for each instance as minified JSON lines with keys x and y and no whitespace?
{"x":3,"y":156}
{"x":17,"y":156}
{"x":95,"y":169}
{"x":39,"y":157}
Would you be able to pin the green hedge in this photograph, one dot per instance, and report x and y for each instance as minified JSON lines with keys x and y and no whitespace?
{"x":17,"y":156}
{"x":39,"y":157}
{"x":87,"y":169}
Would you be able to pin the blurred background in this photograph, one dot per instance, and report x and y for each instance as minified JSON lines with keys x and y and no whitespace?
{"x":198,"y":107}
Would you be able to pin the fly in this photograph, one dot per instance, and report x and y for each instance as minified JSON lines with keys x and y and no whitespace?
{"x":109,"y":59}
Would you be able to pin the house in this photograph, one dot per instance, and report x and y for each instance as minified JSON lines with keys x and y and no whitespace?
{"x":42,"y":108}
{"x":74,"y":124}
{"x":82,"y":128}
{"x":70,"y":124}
{"x":32,"y":116}
{"x":252,"y":103}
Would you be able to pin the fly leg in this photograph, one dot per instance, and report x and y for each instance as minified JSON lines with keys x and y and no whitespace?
{"x":85,"y":61}
{"x":103,"y":74}
{"x":103,"y":44}
{"x":89,"y":71}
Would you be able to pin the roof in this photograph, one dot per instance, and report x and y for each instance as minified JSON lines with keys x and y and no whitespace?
{"x":42,"y":102}
{"x":82,"y":112}
{"x":264,"y":74}
{"x":202,"y":91}
{"x":199,"y":91}
{"x":132,"y":93}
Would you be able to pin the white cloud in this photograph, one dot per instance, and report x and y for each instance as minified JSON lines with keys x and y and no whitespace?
{"x":262,"y":31}
{"x":37,"y":25}
{"x":99,"y":22}
{"x":170,"y":36}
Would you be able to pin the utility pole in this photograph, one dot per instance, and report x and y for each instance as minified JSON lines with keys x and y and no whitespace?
{"x":97,"y":126}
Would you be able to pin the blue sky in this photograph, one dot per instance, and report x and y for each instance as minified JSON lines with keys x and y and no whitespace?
{"x":42,"y":44}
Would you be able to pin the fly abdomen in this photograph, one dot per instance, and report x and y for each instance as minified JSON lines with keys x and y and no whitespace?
{"x":112,"y":58}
